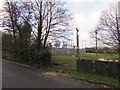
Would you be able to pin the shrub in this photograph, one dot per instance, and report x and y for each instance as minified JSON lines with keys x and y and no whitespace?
{"x":33,"y":56}
{"x":42,"y":57}
{"x":23,"y":51}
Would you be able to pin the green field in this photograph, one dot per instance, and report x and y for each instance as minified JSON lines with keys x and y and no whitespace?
{"x":69,"y":61}
{"x":97,"y":56}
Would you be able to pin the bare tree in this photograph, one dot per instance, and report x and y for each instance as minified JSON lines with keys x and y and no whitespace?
{"x":109,"y":31}
{"x":57,"y":44}
{"x":52,"y":18}
{"x":48,"y":19}
{"x":13,"y":18}
{"x":10,"y":16}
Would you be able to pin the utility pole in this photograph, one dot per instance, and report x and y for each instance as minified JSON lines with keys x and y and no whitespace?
{"x":77,"y":38}
{"x":96,"y":38}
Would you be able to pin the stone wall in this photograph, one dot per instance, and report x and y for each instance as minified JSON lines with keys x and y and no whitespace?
{"x":110,"y":69}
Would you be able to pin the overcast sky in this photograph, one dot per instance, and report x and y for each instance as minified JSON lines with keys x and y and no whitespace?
{"x":86,"y":14}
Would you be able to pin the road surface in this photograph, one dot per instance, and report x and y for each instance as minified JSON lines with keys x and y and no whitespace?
{"x":20,"y":76}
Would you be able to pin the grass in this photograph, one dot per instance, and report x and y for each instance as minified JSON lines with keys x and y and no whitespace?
{"x":98,"y":78}
{"x":92,"y":56}
{"x":69,"y":66}
{"x":96,"y":56}
{"x":69,"y":61}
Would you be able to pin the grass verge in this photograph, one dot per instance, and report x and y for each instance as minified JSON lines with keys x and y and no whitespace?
{"x":93,"y":77}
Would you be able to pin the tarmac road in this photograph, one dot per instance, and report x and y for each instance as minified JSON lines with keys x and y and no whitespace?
{"x":21,"y":76}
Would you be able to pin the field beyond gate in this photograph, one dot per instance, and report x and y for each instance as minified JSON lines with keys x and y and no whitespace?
{"x":65,"y":61}
{"x":69,"y":61}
